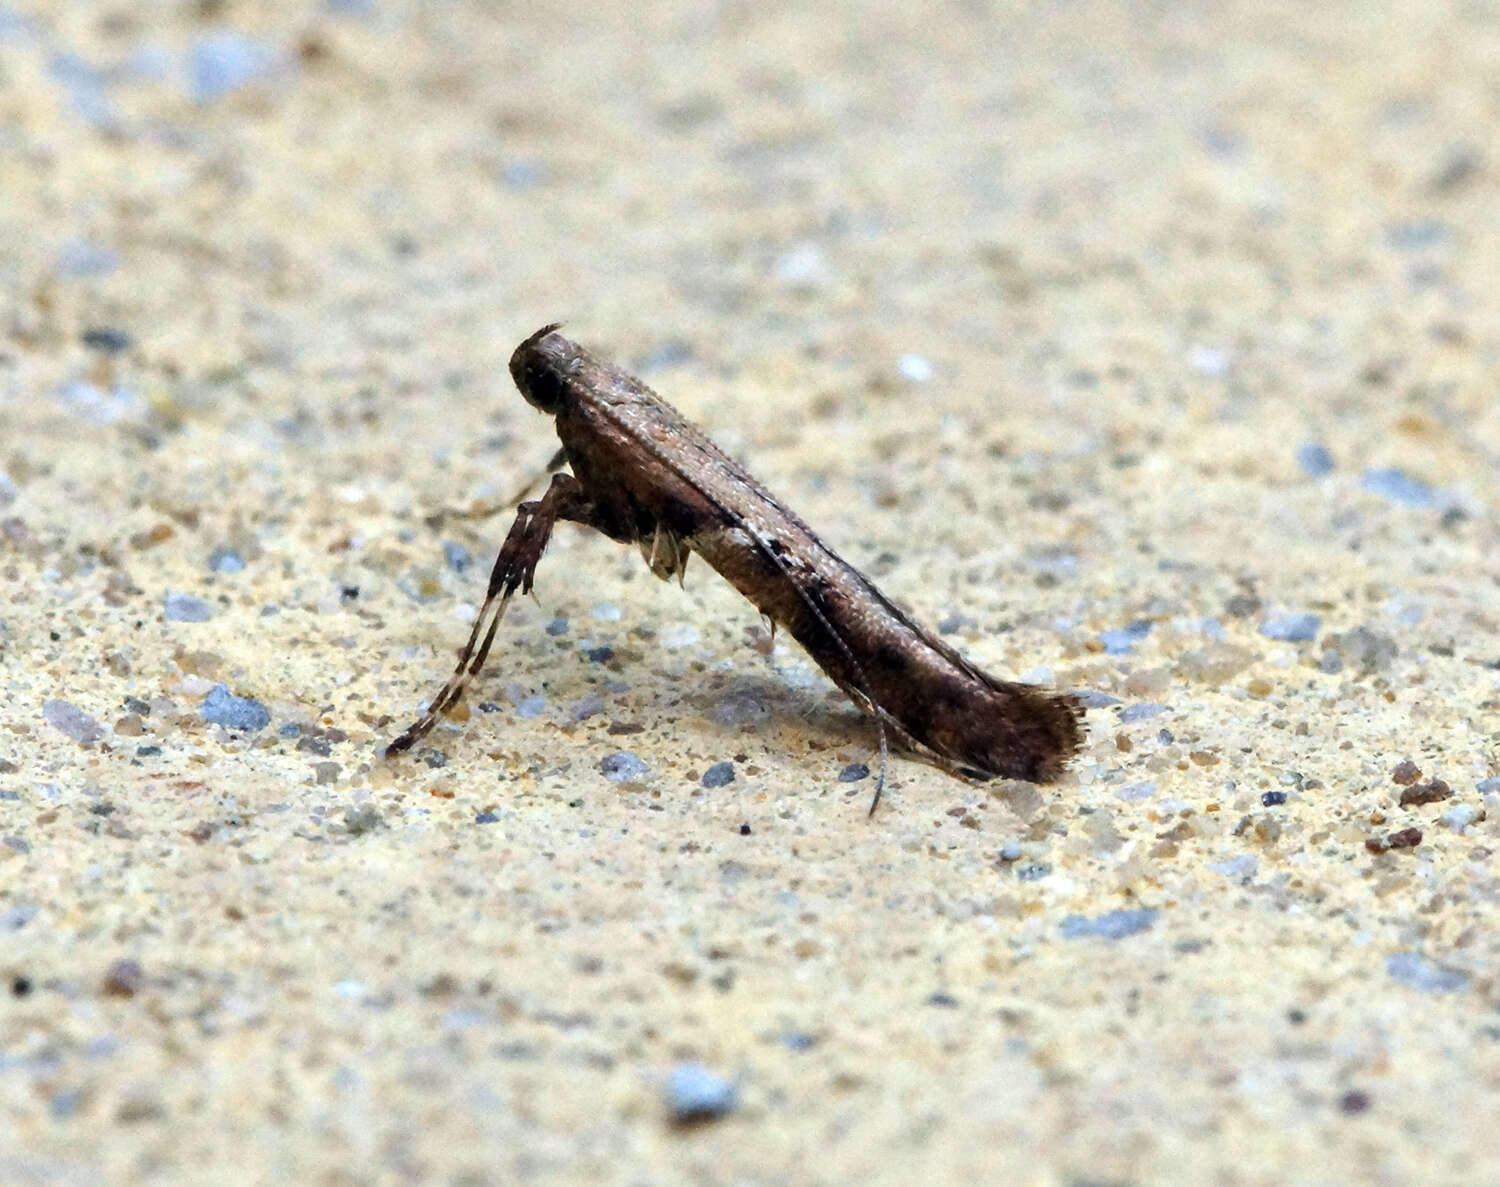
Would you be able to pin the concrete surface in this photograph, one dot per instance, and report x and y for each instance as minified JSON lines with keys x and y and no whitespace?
{"x":1151,"y":350}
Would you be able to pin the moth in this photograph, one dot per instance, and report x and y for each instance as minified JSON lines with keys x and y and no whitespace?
{"x":641,"y":474}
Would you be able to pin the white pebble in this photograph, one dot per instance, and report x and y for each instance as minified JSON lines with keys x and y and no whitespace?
{"x":915,"y":368}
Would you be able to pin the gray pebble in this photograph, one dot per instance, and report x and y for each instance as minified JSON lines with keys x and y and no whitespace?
{"x":1399,"y":487}
{"x":186,"y":608}
{"x":1113,"y":925}
{"x":221,"y":707}
{"x":364,"y":818}
{"x":1142,"y":712}
{"x":1367,"y":648}
{"x":106,"y":340}
{"x":1315,"y":460}
{"x":558,"y":626}
{"x":15,"y":918}
{"x":1414,"y":234}
{"x":1460,"y":816}
{"x":1122,"y":640}
{"x":740,"y":708}
{"x":80,"y":257}
{"x":854,"y":772}
{"x":1097,"y":700}
{"x":1292,"y":628}
{"x":719,"y":775}
{"x":73,"y":721}
{"x":1486,"y":786}
{"x":1244,"y":866}
{"x":695,"y":1093}
{"x":222,"y":62}
{"x":532,"y":706}
{"x":1415,"y":971}
{"x":585,"y":707}
{"x":226,"y":560}
{"x":623,"y":767}
{"x":456,"y":555}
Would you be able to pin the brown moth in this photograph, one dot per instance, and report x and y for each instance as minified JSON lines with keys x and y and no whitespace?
{"x":643,"y":475}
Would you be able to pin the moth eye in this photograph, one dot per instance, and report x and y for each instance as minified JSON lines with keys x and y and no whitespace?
{"x":541,"y":384}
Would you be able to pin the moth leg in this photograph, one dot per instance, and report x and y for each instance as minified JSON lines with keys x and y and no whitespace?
{"x":514,"y":569}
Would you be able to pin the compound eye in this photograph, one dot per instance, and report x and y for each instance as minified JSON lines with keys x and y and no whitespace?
{"x":541,"y":384}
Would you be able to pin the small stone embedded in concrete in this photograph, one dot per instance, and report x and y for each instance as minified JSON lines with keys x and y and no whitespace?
{"x":221,"y":707}
{"x":106,"y":339}
{"x":1142,"y":712}
{"x":124,"y":978}
{"x":362,"y":818}
{"x":1368,"y":649}
{"x":1292,"y":628}
{"x":1210,"y":361}
{"x":1315,"y":460}
{"x":558,"y":626}
{"x":914,"y":367}
{"x":456,"y":556}
{"x":1112,"y":925}
{"x":854,"y":772}
{"x":1460,"y":816}
{"x":585,"y":707}
{"x":532,"y":706}
{"x":955,"y":622}
{"x":225,"y":560}
{"x":694,"y":1093}
{"x":1415,"y":971}
{"x":721,"y":774}
{"x":1425,"y":793}
{"x":73,"y":721}
{"x":1399,"y":487}
{"x":742,"y":707}
{"x":186,"y":608}
{"x":223,"y":61}
{"x":1488,"y":786}
{"x":1122,"y":640}
{"x":678,"y":635}
{"x":623,"y":767}
{"x":1244,"y":866}
{"x":486,"y":818}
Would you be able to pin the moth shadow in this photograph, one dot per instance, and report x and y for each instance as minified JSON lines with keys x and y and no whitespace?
{"x":754,"y":705}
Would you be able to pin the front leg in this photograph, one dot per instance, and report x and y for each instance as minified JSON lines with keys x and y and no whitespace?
{"x":514,"y":569}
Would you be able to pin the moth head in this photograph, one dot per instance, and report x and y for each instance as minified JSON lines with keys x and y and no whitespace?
{"x":539,"y":367}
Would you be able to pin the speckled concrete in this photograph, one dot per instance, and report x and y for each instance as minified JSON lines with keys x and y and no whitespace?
{"x":1151,"y":351}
